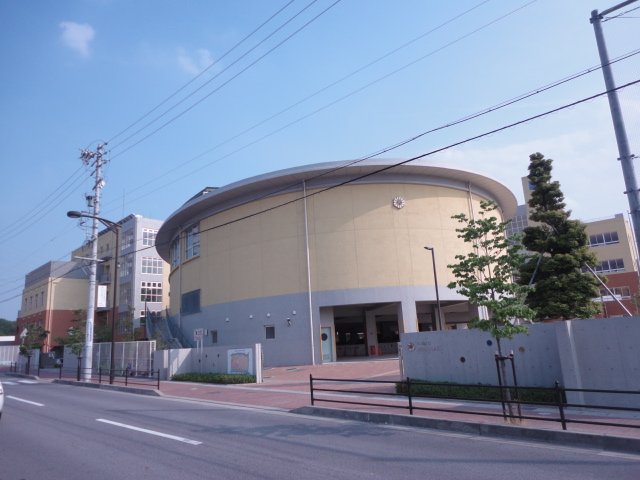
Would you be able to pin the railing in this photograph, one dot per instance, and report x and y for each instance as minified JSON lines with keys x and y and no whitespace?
{"x":123,"y":376}
{"x":558,"y":392}
{"x":32,"y":368}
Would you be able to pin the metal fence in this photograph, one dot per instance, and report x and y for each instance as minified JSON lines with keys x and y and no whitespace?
{"x":126,"y":376}
{"x":558,"y":392}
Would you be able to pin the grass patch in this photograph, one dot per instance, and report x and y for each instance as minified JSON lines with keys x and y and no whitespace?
{"x":226,"y":378}
{"x":478,"y":392}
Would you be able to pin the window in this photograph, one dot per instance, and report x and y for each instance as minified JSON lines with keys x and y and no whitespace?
{"x":149,"y":237}
{"x":153,"y":316}
{"x":270,"y":332}
{"x":621,"y":293}
{"x":175,"y":253}
{"x":214,"y":336}
{"x":152,"y":265}
{"x":610,"y":266}
{"x":127,"y":239}
{"x":125,"y":323}
{"x":190,"y":302}
{"x":192,"y":242}
{"x":125,"y":293}
{"x":603,"y":239}
{"x":126,"y":265}
{"x":151,"y":292}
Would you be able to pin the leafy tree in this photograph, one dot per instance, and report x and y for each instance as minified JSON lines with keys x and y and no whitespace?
{"x":33,"y":340}
{"x":562,"y":290}
{"x":75,"y":338}
{"x":7,"y":327}
{"x":486,"y":277}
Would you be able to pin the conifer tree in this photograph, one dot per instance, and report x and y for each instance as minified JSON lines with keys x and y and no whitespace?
{"x":562,"y":289}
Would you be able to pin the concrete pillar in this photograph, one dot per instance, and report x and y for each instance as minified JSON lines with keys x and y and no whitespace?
{"x":371,"y":331}
{"x":407,"y":316}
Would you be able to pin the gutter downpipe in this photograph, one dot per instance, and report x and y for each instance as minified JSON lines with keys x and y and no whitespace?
{"x":306,"y":241}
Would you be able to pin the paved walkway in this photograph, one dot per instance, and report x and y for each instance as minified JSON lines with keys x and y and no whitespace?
{"x":288,"y":388}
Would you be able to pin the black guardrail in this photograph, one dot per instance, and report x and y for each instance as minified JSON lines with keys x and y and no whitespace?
{"x":558,"y":392}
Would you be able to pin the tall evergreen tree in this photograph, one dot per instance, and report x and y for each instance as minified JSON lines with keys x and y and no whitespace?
{"x":562,"y":289}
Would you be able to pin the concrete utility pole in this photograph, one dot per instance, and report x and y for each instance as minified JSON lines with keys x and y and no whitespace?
{"x":92,"y":159}
{"x":626,"y":157}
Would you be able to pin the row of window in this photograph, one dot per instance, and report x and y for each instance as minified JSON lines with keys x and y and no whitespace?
{"x":191,"y":246}
{"x":269,"y":333}
{"x":150,"y":265}
{"x":32,"y":301}
{"x":148,"y":238}
{"x":610,"y":266}
{"x":622,"y":293}
{"x":603,"y":239}
{"x":149,"y":292}
{"x":125,"y":320}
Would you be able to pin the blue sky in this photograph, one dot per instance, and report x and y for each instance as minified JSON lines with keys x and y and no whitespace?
{"x":76,"y":72}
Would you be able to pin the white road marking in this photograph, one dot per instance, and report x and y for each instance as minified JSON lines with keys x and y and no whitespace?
{"x":27,"y":381}
{"x":151,"y":432}
{"x":26,"y":401}
{"x":9,"y":383}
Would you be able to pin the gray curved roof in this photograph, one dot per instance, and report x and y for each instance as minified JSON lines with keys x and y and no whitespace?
{"x":212,"y":201}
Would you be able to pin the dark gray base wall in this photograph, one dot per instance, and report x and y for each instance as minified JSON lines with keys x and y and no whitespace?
{"x":246,"y":321}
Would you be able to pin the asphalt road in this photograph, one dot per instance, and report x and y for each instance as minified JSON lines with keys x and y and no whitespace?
{"x":66,"y":432}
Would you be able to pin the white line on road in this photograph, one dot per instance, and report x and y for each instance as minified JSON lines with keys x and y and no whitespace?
{"x":26,"y":401}
{"x":144,"y":430}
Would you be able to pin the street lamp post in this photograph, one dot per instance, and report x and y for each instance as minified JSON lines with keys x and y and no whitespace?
{"x":114,"y":227}
{"x":435,"y":277}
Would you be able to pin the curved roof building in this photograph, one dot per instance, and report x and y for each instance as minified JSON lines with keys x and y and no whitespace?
{"x":322,"y":261}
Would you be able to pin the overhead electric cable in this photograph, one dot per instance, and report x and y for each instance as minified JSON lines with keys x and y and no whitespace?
{"x":226,"y":82}
{"x":215,"y":62}
{"x":44,"y":200}
{"x":404,"y":142}
{"x":404,"y":162}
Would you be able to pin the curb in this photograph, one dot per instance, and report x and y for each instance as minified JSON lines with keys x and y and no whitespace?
{"x":113,"y":388}
{"x":607,"y":443}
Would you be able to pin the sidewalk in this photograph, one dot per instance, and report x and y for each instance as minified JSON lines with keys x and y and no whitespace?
{"x":288,"y":388}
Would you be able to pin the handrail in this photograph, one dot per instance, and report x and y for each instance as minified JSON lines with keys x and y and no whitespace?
{"x":560,"y":396}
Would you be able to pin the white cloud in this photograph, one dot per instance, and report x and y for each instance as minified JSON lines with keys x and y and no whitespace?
{"x":77,"y":36}
{"x":194,"y":64}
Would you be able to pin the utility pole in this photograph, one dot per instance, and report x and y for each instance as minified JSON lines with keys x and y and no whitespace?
{"x":626,"y":157}
{"x":93,"y":160}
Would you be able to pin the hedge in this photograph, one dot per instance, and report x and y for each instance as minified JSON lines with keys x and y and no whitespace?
{"x":226,"y":378}
{"x":479,"y":392}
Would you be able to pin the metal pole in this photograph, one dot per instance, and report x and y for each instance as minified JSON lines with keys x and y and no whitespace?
{"x":306,"y":241}
{"x":87,"y":157}
{"x":114,"y":309}
{"x":435,"y":278}
{"x":626,"y":158}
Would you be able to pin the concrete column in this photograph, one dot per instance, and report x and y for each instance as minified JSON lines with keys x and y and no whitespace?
{"x":407,"y":316}
{"x":571,"y":376}
{"x":434,"y":315}
{"x":372,"y":331}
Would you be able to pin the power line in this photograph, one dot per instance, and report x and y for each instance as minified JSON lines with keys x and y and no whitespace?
{"x":336,"y":101}
{"x":215,"y":62}
{"x":433,"y":152}
{"x":404,"y":142}
{"x":225,"y":83}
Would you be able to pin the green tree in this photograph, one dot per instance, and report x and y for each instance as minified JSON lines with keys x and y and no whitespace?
{"x":7,"y":327}
{"x":75,"y":338}
{"x":33,"y":340}
{"x":562,"y":290}
{"x":486,"y":277}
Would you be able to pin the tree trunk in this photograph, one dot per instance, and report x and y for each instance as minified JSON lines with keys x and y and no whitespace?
{"x":506,"y":391}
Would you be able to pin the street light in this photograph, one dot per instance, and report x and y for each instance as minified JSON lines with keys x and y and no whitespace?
{"x":89,"y":338}
{"x":435,"y":277}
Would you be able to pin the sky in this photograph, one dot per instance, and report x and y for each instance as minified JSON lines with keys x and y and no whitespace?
{"x":204,"y":93}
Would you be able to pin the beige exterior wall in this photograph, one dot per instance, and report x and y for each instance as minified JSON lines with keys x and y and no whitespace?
{"x":357,"y":239}
{"x":624,"y":249}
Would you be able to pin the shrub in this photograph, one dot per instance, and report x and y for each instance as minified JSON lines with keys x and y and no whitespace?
{"x":226,"y":378}
{"x":476,"y":392}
